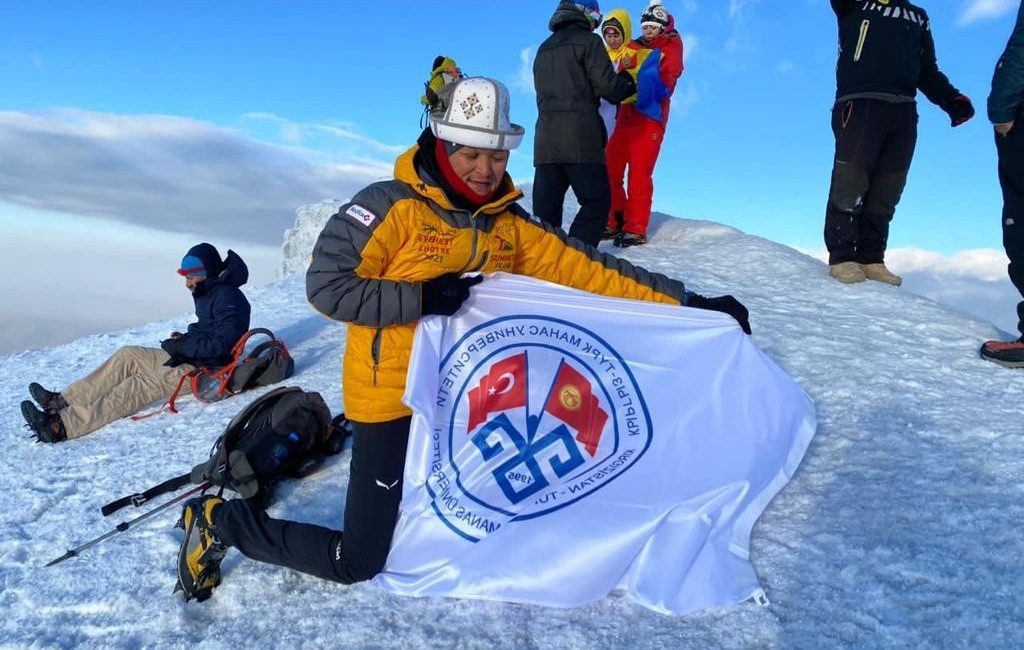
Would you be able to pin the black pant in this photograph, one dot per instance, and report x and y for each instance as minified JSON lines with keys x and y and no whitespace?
{"x":1011,"y":179}
{"x":875,"y":142}
{"x":371,"y":512}
{"x":589,"y":182}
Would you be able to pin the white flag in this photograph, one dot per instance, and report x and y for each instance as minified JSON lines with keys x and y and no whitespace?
{"x":565,"y":445}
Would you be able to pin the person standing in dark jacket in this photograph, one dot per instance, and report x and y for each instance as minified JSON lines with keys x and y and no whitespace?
{"x":572,"y":73}
{"x":1005,"y":103}
{"x":136,"y":376}
{"x":886,"y":54}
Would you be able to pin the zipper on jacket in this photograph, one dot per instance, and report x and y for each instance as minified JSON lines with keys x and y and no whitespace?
{"x":860,"y":40}
{"x":472,"y":247}
{"x":375,"y":353}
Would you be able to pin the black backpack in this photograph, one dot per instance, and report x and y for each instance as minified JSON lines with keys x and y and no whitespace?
{"x":286,"y":433}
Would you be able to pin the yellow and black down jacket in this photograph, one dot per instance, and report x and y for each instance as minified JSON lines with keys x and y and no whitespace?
{"x":372,"y":257}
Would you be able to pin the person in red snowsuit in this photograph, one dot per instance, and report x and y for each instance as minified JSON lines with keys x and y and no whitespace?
{"x":640,"y":126}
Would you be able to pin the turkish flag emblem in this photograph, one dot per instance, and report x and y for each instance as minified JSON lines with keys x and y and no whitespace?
{"x":502,"y":388}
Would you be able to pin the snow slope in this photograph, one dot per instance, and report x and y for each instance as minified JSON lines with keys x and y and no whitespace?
{"x":902,"y":528}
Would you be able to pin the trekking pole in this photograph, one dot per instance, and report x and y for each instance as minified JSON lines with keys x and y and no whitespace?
{"x":125,"y":525}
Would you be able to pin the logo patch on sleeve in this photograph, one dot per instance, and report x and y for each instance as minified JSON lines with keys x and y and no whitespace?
{"x":360,"y":214}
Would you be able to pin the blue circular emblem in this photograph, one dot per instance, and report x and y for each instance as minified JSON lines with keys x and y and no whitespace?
{"x":532,"y":415}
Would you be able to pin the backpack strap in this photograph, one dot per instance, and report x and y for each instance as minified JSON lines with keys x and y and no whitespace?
{"x":219,"y":455}
{"x":139,"y":498}
{"x":239,"y":346}
{"x":169,"y":405}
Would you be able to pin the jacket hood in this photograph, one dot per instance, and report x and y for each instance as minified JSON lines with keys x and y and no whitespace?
{"x":620,"y":18}
{"x":566,"y":15}
{"x":235,"y":272}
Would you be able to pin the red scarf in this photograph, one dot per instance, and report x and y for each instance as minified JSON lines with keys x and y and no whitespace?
{"x":455,"y":183}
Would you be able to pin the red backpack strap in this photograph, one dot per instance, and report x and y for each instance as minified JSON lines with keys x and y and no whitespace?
{"x":169,"y":405}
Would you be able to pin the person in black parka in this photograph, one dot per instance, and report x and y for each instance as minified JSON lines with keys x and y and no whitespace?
{"x":136,"y":376}
{"x":1005,"y":104}
{"x":886,"y":54}
{"x":571,"y":73}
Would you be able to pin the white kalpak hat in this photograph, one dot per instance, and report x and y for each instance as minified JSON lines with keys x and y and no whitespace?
{"x":477,"y":116}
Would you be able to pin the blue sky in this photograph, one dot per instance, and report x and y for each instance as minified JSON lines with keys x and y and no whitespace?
{"x":217,"y":120}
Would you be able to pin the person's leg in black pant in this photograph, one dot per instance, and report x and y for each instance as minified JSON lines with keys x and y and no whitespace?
{"x":589,"y":182}
{"x":888,"y":178}
{"x":857,"y":130}
{"x":1010,"y":148}
{"x":371,"y":511}
{"x":549,"y":185}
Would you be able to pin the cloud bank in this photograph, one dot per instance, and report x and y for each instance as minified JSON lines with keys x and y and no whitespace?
{"x":170,"y":173}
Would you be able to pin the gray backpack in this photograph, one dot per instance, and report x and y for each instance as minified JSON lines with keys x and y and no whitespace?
{"x":268,"y":363}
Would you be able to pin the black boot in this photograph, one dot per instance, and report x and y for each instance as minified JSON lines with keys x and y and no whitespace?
{"x":627,"y":239}
{"x":45,"y":398}
{"x":47,"y":425}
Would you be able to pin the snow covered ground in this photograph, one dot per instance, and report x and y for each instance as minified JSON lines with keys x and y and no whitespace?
{"x":902,"y":528}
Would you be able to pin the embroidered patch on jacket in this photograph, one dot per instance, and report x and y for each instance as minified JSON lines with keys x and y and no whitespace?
{"x":360,"y":214}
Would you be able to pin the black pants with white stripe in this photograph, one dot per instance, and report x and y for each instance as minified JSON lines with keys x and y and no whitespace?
{"x":371,"y":511}
{"x":1011,"y":179}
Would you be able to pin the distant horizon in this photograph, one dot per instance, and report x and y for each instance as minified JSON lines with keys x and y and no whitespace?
{"x":973,"y":282}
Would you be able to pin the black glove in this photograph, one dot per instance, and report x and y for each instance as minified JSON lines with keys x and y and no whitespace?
{"x":960,"y":109}
{"x":445,"y":294}
{"x":170,"y":346}
{"x":623,"y":74}
{"x":724,"y":304}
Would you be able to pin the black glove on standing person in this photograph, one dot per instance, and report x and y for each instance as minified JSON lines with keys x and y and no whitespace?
{"x":959,"y":108}
{"x":445,"y":294}
{"x":724,"y":304}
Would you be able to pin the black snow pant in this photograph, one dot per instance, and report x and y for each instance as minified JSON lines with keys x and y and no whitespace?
{"x":371,"y":511}
{"x":589,"y":182}
{"x":875,"y":142}
{"x":1011,"y":179}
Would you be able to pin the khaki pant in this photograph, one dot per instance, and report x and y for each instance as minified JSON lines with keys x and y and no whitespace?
{"x":131,"y":379}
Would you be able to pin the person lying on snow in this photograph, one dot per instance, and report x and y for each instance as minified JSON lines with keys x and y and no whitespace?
{"x":136,"y":376}
{"x":370,"y":270}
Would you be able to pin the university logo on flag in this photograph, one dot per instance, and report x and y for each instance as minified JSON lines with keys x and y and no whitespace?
{"x":533,"y":414}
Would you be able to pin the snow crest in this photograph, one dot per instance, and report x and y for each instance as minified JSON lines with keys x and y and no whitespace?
{"x":299,"y":240}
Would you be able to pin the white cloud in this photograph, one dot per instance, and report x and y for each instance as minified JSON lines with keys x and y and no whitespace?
{"x":173,"y":173}
{"x":691,"y":43}
{"x":78,"y":276}
{"x":737,"y":7}
{"x":523,"y":80}
{"x":297,"y":133}
{"x":979,"y":10}
{"x":785,"y":66}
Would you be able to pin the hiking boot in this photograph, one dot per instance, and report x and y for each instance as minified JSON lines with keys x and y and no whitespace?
{"x":1005,"y":353}
{"x":45,"y":398}
{"x":627,"y":239}
{"x":609,"y":233}
{"x":847,"y":272}
{"x":201,"y":552}
{"x":46,"y":425}
{"x":879,"y":273}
